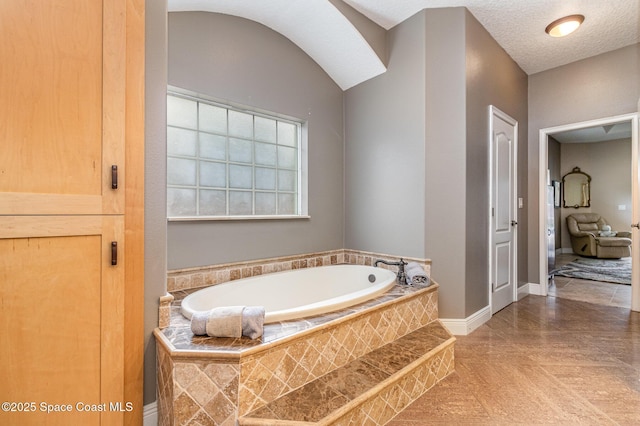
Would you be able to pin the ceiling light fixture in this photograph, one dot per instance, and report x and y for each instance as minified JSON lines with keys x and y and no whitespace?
{"x":564,"y":26}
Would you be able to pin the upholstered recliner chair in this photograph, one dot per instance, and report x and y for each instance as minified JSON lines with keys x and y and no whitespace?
{"x":586,"y":240}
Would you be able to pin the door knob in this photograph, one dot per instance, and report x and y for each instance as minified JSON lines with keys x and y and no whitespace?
{"x":635,"y":225}
{"x":514,"y":223}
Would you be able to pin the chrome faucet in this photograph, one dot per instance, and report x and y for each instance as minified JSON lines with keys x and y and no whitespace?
{"x":401,"y":277}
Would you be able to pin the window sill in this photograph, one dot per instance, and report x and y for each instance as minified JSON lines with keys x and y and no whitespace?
{"x":234,"y":218}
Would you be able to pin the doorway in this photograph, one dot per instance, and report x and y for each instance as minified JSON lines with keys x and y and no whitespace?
{"x":503,"y":240}
{"x":606,"y":123}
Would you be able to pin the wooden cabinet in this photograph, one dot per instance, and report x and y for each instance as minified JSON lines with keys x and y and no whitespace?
{"x":62,"y":110}
{"x":71,"y":210}
{"x":61,"y":318}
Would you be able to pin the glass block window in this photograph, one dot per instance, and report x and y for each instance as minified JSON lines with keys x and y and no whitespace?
{"x":223,"y":161}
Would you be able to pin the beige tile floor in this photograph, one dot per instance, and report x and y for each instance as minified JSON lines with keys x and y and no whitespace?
{"x":540,"y":361}
{"x":588,"y":291}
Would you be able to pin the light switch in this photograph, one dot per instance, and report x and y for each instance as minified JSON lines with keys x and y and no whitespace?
{"x":520,"y":202}
{"x":622,"y":207}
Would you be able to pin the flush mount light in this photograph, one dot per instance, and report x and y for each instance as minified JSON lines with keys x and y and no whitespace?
{"x":564,"y":26}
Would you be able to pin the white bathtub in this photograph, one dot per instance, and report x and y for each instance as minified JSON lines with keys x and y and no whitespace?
{"x":296,"y":293}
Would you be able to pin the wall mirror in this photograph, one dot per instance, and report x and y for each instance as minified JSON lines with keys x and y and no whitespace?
{"x":576,"y":189}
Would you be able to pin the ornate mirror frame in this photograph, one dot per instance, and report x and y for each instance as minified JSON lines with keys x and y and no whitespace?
{"x":576,"y":189}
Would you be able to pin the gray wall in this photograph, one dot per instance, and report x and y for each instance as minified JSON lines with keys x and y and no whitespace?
{"x":155,"y":216}
{"x":446,"y":163}
{"x":384,"y":151}
{"x":492,"y":78}
{"x":237,"y":60}
{"x":602,"y":86}
{"x":417,"y":150}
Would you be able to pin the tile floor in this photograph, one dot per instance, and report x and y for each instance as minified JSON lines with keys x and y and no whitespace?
{"x":542,"y":360}
{"x":588,"y":291}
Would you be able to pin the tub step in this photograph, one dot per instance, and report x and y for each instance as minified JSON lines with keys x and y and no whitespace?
{"x":369,"y":390}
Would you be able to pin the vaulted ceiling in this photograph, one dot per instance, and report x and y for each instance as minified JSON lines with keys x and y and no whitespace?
{"x":328,"y":37}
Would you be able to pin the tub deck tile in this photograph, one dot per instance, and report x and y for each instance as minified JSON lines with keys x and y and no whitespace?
{"x":181,"y":338}
{"x":328,"y":394}
{"x":291,"y":354}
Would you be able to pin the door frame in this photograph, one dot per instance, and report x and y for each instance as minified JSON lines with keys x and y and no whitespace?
{"x":543,"y":165}
{"x":514,"y":200}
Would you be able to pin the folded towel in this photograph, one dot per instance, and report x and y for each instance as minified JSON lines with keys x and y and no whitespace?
{"x":229,"y":321}
{"x":199,"y":322}
{"x":225,"y":321}
{"x":416,"y":274}
{"x":253,"y":321}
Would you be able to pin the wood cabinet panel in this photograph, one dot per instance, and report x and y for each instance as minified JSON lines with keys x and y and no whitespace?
{"x":72,"y":102}
{"x":62,"y":79}
{"x":61,"y":319}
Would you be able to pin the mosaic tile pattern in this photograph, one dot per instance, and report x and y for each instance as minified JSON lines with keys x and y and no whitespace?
{"x":164,"y":376}
{"x":371,"y":389}
{"x":215,"y":274}
{"x":181,"y":338}
{"x":184,"y":279}
{"x":196,"y":392}
{"x":205,"y":393}
{"x":271,"y":374}
{"x":392,"y":400}
{"x":209,"y":390}
{"x":237,"y":375}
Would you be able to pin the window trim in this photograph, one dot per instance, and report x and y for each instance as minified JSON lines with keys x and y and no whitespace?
{"x":234,"y":218}
{"x":302,"y":160}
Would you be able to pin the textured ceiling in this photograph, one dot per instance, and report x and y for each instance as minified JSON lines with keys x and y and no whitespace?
{"x":319,"y":29}
{"x":518,"y":25}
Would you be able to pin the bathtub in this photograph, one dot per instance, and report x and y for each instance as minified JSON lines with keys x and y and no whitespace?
{"x":297,"y":293}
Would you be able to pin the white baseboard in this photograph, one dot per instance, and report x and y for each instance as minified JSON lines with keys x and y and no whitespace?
{"x":462,"y":327}
{"x":150,"y":414}
{"x":534,"y":288}
{"x":524,"y":291}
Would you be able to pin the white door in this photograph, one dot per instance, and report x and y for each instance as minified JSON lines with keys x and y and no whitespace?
{"x":503,"y":236}
{"x":635,"y":226}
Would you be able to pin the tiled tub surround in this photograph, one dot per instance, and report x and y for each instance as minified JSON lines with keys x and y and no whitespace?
{"x":185,"y":279}
{"x":369,"y":390}
{"x":218,"y":380}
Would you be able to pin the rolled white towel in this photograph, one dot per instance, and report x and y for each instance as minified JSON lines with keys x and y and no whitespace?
{"x":416,"y":274}
{"x":229,"y":321}
{"x":225,"y":321}
{"x":253,"y":321}
{"x":199,"y":322}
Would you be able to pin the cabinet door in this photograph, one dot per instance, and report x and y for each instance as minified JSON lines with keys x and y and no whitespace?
{"x":62,"y":80}
{"x":61,"y":320}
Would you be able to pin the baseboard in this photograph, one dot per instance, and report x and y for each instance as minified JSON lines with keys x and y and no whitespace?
{"x":534,"y":288}
{"x":462,"y":327}
{"x":524,"y":291}
{"x":150,"y":414}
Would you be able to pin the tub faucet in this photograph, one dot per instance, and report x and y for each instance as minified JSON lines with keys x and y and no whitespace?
{"x":401,"y":277}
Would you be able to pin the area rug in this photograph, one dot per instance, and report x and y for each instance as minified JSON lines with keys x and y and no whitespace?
{"x":608,"y":270}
